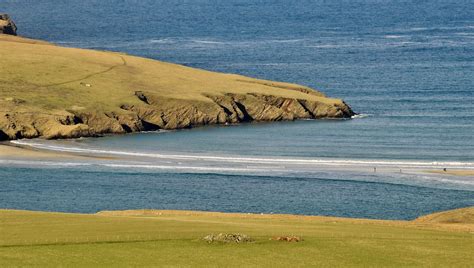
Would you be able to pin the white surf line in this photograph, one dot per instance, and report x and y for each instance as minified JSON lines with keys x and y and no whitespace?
{"x":201,"y":168}
{"x":44,"y":163}
{"x":253,"y":160}
{"x":359,"y":116}
{"x":138,"y":166}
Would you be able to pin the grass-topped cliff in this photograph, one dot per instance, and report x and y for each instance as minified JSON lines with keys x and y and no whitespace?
{"x":56,"y":92}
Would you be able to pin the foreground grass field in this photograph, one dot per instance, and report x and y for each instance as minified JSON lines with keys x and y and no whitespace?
{"x":173,"y":238}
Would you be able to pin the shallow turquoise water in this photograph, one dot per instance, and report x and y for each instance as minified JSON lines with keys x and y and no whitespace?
{"x":91,"y":189}
{"x":408,"y":67}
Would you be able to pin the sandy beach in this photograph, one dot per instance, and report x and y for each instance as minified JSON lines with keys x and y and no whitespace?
{"x":9,"y":151}
{"x":13,"y":151}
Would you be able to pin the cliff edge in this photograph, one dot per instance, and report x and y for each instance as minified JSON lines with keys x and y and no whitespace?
{"x":52,"y":92}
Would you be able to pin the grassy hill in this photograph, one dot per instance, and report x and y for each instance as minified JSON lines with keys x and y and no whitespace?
{"x":53,"y":92}
{"x":174,"y":238}
{"x":462,"y":216}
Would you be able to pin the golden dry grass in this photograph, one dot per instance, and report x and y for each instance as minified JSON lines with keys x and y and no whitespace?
{"x":463,"y":216}
{"x":41,"y":76}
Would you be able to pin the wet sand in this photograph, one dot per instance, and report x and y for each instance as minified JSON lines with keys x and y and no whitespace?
{"x":8,"y":151}
{"x":454,"y":172}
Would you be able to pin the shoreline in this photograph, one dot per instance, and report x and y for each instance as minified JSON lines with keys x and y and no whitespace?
{"x":10,"y":151}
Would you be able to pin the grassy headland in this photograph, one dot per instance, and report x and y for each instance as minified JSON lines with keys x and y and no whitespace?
{"x":56,"y":92}
{"x":173,"y":238}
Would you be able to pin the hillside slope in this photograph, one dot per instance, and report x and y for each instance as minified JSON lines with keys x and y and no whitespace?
{"x":456,"y":216}
{"x":56,"y":92}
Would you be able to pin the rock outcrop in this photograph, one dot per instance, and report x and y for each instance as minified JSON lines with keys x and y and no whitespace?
{"x":7,"y":26}
{"x":163,"y":113}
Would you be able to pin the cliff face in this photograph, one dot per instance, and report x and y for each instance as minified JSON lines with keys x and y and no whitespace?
{"x":162,"y":113}
{"x":53,"y":92}
{"x":7,"y":26}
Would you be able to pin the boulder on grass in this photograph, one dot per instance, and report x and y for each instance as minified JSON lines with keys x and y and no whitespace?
{"x":228,"y":238}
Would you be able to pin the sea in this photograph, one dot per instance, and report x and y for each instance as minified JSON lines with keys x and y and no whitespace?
{"x":406,"y":68}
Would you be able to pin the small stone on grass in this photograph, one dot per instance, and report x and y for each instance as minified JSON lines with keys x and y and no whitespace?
{"x":288,"y":238}
{"x":228,"y":238}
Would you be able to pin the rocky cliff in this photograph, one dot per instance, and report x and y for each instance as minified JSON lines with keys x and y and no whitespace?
{"x":164,"y":113}
{"x":54,"y":92}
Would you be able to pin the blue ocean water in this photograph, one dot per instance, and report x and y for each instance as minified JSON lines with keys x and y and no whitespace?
{"x":407,"y":66}
{"x":79,"y":190}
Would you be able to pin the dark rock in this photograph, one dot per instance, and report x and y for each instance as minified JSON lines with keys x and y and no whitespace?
{"x":7,"y":26}
{"x":287,"y":238}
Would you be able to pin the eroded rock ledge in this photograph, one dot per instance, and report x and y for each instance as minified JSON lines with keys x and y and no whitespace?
{"x":156,"y":113}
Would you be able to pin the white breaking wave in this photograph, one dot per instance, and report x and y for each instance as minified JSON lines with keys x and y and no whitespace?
{"x":44,"y":163}
{"x":285,"y":40}
{"x":360,"y":116}
{"x":394,"y":36}
{"x":418,"y":29}
{"x":208,"y":42}
{"x":193,"y":168}
{"x":252,"y":160}
{"x":161,"y":41}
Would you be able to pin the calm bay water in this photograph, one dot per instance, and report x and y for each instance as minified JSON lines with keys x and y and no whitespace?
{"x":408,"y":67}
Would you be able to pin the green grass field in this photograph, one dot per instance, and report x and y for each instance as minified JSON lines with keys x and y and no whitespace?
{"x":173,"y":238}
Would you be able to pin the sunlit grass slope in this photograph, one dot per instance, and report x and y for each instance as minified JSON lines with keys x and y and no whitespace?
{"x":50,"y":76}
